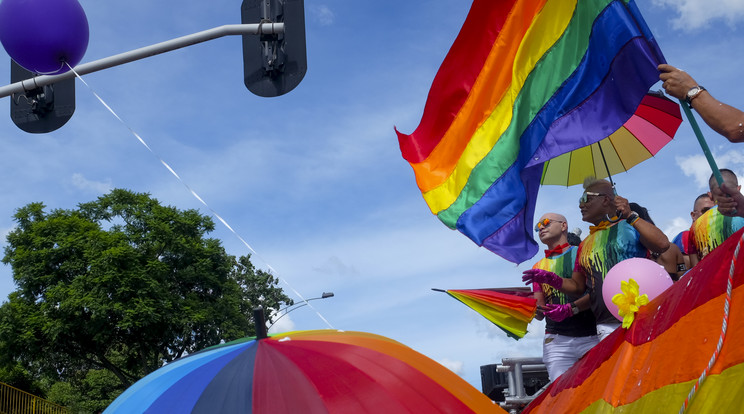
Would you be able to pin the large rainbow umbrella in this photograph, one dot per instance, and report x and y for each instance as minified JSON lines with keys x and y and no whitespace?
{"x":511,"y":309}
{"x":320,"y":371}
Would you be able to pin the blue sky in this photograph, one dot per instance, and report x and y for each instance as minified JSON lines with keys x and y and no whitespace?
{"x":314,"y":180}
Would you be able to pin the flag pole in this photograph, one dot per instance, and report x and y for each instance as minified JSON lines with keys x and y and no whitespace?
{"x":701,"y":140}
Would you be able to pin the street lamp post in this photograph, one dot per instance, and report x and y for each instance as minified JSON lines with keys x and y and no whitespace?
{"x":290,"y":308}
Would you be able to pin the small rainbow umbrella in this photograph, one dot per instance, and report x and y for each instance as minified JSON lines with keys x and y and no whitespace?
{"x":320,"y":371}
{"x":652,"y":126}
{"x":511,"y":309}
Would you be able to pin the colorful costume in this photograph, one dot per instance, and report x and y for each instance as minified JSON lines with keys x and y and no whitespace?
{"x":682,"y":240}
{"x":606,"y":246}
{"x":710,"y":230}
{"x":566,"y":341}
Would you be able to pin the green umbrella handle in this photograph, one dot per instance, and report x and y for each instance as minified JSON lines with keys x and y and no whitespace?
{"x":702,"y":142}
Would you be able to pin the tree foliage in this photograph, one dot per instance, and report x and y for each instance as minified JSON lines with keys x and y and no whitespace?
{"x":122,"y":284}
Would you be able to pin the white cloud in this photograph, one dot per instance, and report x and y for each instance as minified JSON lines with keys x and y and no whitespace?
{"x":694,"y":14}
{"x":98,"y":187}
{"x":322,"y":14}
{"x":282,"y":324}
{"x":677,"y":225}
{"x":697,"y":167}
{"x":454,"y":366}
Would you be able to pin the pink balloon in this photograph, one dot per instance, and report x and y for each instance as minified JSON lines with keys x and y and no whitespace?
{"x":43,"y":35}
{"x":651,"y":277}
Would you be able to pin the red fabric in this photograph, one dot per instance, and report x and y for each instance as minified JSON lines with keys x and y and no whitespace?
{"x":456,"y":76}
{"x":366,"y":373}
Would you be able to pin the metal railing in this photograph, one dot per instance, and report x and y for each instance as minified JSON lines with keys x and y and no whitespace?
{"x":515,"y":382}
{"x":15,"y":401}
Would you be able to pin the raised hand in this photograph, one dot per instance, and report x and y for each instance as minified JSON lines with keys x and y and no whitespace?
{"x":542,"y":276}
{"x":558,"y":313}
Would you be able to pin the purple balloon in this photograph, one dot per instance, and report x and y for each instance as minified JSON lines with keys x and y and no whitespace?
{"x":43,"y":35}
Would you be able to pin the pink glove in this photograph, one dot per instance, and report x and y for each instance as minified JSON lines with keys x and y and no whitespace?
{"x":558,"y":313}
{"x":542,"y":276}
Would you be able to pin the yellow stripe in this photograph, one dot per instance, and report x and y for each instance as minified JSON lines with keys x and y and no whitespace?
{"x":545,"y":30}
{"x":719,"y":394}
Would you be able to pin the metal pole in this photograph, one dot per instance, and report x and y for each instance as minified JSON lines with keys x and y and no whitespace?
{"x":701,"y":140}
{"x":259,"y":322}
{"x":519,"y":380}
{"x":141,"y":53}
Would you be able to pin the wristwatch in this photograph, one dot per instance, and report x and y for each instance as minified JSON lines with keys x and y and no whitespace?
{"x":693,"y":93}
{"x":574,"y":309}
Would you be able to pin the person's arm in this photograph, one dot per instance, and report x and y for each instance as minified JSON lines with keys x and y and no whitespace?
{"x":651,"y":236}
{"x":694,"y":260}
{"x":583,"y":303}
{"x":671,"y":259}
{"x":722,"y":118}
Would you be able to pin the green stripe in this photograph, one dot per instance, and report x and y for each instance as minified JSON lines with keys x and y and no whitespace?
{"x":558,"y":63}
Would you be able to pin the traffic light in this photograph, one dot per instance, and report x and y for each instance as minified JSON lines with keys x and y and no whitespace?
{"x":274,"y":64}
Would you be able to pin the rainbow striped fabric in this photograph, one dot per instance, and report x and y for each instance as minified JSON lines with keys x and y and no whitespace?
{"x":525,"y":81}
{"x":563,"y":266}
{"x":653,"y":366}
{"x":711,"y":229}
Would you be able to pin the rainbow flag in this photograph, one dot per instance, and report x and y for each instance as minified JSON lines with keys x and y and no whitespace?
{"x":654,"y":366}
{"x":525,"y":81}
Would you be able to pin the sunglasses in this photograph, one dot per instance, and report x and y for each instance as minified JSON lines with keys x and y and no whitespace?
{"x":704,"y":209}
{"x":585,"y":197}
{"x":545,"y":223}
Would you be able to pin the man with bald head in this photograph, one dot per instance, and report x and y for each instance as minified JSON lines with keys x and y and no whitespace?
{"x":569,"y":333}
{"x":611,"y":240}
{"x":715,"y":225}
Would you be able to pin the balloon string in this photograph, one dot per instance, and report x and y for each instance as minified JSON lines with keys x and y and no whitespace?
{"x":204,"y":203}
{"x":724,"y":327}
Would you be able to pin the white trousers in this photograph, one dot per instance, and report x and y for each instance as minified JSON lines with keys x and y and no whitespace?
{"x":561,"y":352}
{"x":605,"y":329}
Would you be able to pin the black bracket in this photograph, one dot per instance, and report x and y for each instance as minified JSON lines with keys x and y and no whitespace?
{"x":43,"y":109}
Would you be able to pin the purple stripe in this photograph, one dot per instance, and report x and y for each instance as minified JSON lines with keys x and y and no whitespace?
{"x":608,"y":108}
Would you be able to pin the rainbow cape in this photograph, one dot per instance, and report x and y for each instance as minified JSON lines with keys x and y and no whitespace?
{"x":653,"y":366}
{"x":525,"y":81}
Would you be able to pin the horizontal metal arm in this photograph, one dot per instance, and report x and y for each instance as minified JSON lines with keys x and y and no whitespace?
{"x":141,"y":53}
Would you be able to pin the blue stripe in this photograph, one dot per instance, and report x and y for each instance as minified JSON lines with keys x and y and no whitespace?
{"x":140,"y":396}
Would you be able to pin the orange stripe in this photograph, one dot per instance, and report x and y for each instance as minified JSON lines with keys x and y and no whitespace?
{"x":678,"y":355}
{"x":487,"y":91}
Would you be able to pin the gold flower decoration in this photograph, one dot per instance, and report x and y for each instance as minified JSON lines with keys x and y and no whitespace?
{"x":629,"y":301}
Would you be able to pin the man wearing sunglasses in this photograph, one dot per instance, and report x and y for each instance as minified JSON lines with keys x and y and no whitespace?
{"x":617,"y":234}
{"x":569,"y":333}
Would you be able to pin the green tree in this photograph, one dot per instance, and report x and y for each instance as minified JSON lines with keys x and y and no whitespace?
{"x":121,"y":284}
